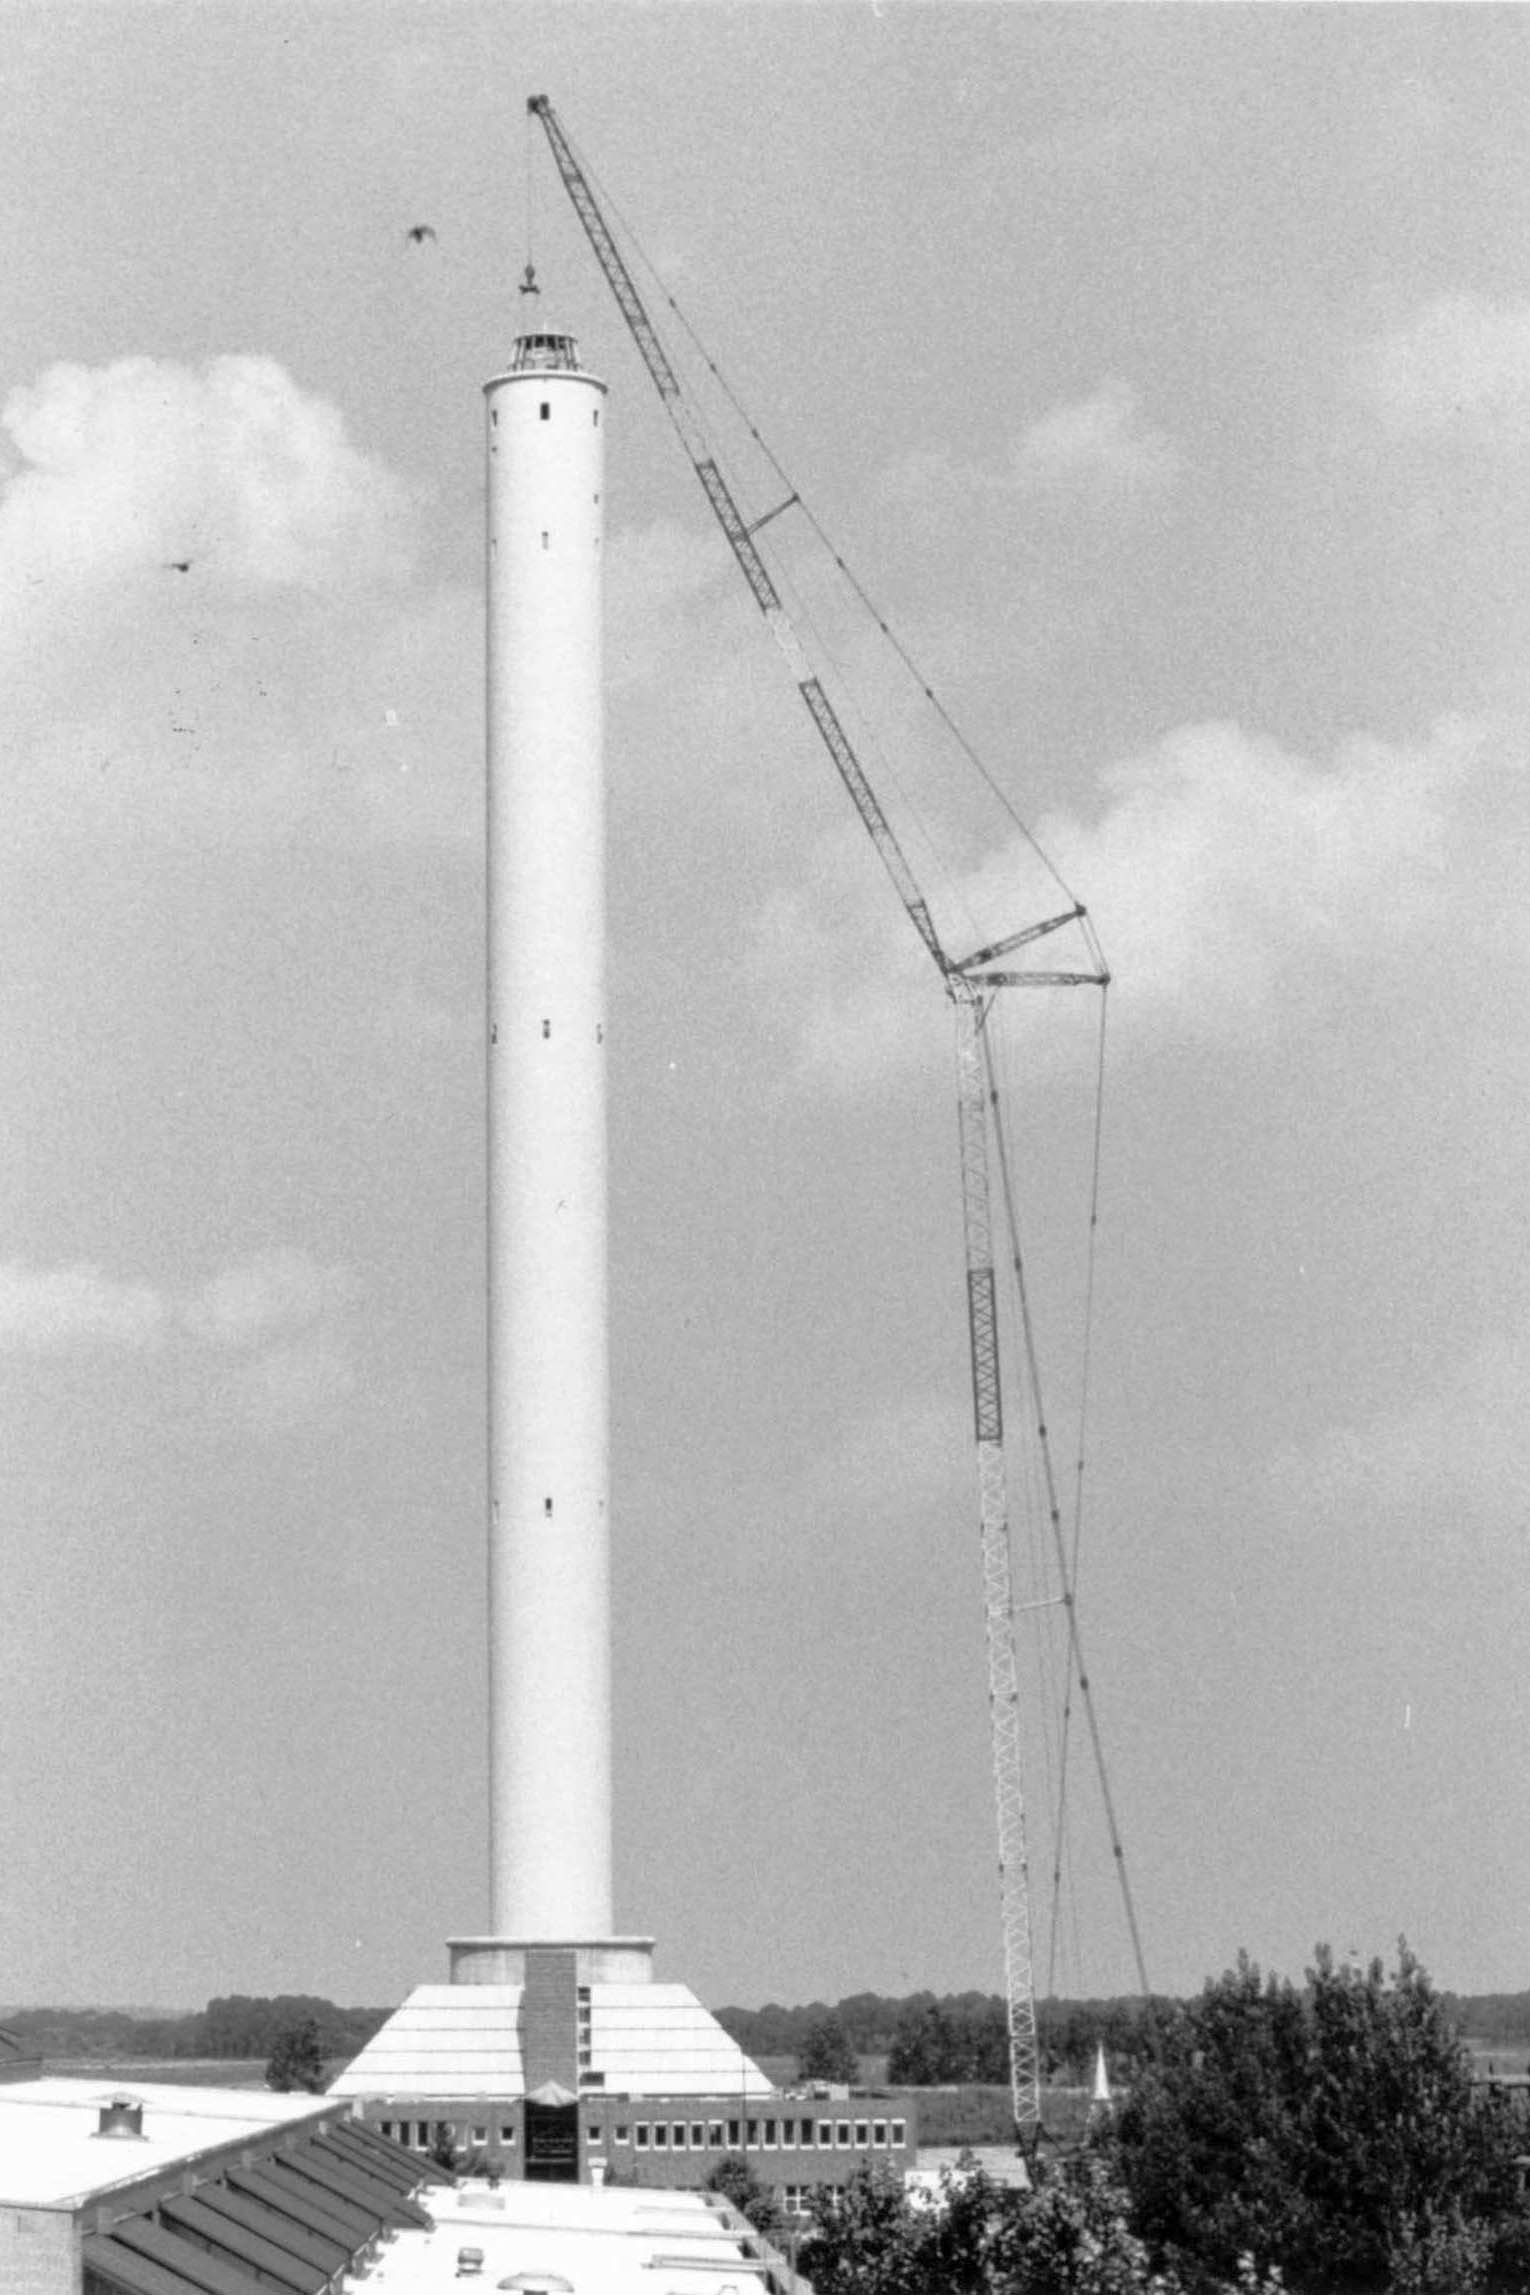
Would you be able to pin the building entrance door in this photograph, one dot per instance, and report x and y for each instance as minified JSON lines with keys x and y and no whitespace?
{"x":552,"y":2143}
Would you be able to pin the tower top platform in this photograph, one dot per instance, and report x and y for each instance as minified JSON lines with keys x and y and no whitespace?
{"x":545,"y":352}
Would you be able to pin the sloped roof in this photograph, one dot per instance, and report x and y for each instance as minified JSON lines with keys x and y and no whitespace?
{"x":463,"y":2040}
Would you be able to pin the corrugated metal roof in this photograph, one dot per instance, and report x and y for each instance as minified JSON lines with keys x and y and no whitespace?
{"x":376,"y":2189}
{"x":400,"y":2170}
{"x":370,"y":2202}
{"x":214,"y":2274}
{"x":384,"y":2160}
{"x":279,"y":2225}
{"x":236,"y":2240}
{"x":107,"y":2258}
{"x":354,"y":2224}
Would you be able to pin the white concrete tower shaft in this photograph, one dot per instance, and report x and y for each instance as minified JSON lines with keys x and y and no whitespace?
{"x":549,"y":1567}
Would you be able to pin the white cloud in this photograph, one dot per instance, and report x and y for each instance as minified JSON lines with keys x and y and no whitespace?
{"x":276,"y":1311}
{"x":270,"y":1291}
{"x":1220,"y":869}
{"x":1102,"y":439}
{"x":1100,"y":445}
{"x":654,"y":575}
{"x":145,"y":465}
{"x":1459,"y":367}
{"x":47,"y":1310}
{"x":272,"y":683}
{"x":1222,"y":863}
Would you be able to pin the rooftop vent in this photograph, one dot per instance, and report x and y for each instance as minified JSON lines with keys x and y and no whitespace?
{"x":122,"y":2117}
{"x":469,"y":2262}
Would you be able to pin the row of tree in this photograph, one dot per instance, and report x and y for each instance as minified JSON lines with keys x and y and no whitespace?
{"x":1331,"y":2129}
{"x":1325,"y":2138}
{"x":962,"y":2039}
{"x":235,"y":2025}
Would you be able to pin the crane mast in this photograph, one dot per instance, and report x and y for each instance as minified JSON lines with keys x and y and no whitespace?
{"x":971,"y":983}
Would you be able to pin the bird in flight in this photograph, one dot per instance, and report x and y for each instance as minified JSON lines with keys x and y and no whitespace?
{"x":419,"y":233}
{"x":177,"y":565}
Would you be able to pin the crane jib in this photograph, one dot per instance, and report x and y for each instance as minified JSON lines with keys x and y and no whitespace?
{"x":971,"y":991}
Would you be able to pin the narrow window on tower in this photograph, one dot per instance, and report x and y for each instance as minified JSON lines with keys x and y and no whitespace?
{"x":546,"y":1030}
{"x":547,"y":1506}
{"x":545,"y":411}
{"x":544,"y":537}
{"x":597,"y":418}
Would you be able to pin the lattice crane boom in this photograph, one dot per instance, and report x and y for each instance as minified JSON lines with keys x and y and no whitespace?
{"x":971,"y":984}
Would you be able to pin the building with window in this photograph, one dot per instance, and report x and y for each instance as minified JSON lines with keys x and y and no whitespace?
{"x":557,"y":2080}
{"x":172,"y":2190}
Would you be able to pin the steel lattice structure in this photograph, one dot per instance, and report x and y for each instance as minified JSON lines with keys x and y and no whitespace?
{"x":971,"y":983}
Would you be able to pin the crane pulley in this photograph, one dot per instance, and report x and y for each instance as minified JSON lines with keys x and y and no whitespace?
{"x":971,"y":983}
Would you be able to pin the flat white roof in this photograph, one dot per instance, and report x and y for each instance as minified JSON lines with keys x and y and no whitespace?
{"x":581,"y":2236}
{"x":51,"y":2155}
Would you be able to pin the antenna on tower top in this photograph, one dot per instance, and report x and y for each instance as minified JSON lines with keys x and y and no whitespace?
{"x":529,"y":281}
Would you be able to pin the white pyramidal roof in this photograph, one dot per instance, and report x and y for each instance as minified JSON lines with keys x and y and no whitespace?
{"x":461,"y":2040}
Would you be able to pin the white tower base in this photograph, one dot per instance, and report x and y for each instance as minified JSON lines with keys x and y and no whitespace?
{"x":467,"y":2041}
{"x":599,"y":1960}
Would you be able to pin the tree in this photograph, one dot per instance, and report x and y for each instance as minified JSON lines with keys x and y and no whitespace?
{"x":737,"y":2182}
{"x":1070,"y":2235}
{"x":826,"y":2053}
{"x":1332,"y":2132}
{"x":963,"y":2039}
{"x":866,"y":2238}
{"x":443,"y":2148}
{"x":297,"y":2059}
{"x":1067,"y":2235}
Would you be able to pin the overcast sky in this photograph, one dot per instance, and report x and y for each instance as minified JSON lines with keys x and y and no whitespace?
{"x":1166,"y":374}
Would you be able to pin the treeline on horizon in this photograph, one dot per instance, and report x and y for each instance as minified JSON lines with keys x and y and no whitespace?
{"x":962,"y":2038}
{"x":927,"y":2039}
{"x":235,"y":2026}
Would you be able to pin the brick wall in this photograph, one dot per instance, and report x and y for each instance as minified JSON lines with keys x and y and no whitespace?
{"x":38,"y":2252}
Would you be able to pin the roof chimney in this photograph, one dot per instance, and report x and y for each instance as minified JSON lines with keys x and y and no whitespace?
{"x":122,"y":2117}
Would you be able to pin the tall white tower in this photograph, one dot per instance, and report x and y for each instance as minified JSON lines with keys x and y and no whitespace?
{"x":549,"y":2005}
{"x":549,"y":1546}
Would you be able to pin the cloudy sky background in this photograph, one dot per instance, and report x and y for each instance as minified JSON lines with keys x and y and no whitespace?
{"x":1166,"y":374}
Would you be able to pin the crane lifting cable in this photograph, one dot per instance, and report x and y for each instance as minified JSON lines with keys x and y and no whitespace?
{"x":972,"y":983}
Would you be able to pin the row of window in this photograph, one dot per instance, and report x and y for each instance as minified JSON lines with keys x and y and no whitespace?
{"x":417,"y":2134}
{"x":765,"y":2135}
{"x":679,"y":2135}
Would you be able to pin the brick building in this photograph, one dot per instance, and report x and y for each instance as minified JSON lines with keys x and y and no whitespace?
{"x":555,"y":2079}
{"x":176,"y":2190}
